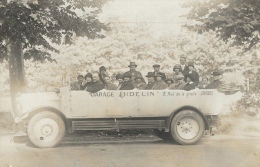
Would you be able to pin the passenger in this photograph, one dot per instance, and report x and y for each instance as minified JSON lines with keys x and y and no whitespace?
{"x":79,"y":84}
{"x":119,"y":78}
{"x":180,"y":83}
{"x":170,"y":84}
{"x":132,"y":72}
{"x":204,"y":83}
{"x":151,"y":81}
{"x":139,"y":84}
{"x":102,"y":74}
{"x":108,"y":84}
{"x":216,"y":80}
{"x":176,"y":71}
{"x":190,"y":83}
{"x":184,"y":68}
{"x":88,"y":80}
{"x":156,"y":68}
{"x":96,"y":84}
{"x":194,"y":75}
{"x":127,"y":84}
{"x":159,"y":84}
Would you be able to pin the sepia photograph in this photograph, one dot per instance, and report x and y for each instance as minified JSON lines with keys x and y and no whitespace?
{"x":129,"y":83}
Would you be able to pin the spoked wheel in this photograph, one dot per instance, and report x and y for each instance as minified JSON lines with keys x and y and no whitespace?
{"x":187,"y":127}
{"x":46,"y":129}
{"x":162,"y":134}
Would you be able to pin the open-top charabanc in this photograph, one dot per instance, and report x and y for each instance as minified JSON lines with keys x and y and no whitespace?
{"x":179,"y":115}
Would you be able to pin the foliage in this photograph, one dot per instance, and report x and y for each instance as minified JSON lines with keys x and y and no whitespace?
{"x":238,"y":20}
{"x":38,"y":25}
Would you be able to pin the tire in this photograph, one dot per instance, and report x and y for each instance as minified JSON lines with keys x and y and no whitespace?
{"x":162,"y":135}
{"x":187,"y":127}
{"x":46,"y":129}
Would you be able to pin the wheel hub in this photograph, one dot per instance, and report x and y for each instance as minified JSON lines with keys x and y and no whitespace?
{"x":46,"y":130}
{"x":188,"y":128}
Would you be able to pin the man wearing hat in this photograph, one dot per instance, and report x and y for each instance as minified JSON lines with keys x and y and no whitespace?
{"x":132,"y":72}
{"x":180,"y":83}
{"x":176,"y":71}
{"x":190,"y":83}
{"x":96,"y":84}
{"x":79,"y":84}
{"x":102,"y":73}
{"x":170,"y":84}
{"x":139,"y":84}
{"x":151,"y":81}
{"x":159,"y":84}
{"x":127,"y":84}
{"x":156,"y":68}
{"x":183,"y":67}
{"x":192,"y":73}
{"x":216,"y":80}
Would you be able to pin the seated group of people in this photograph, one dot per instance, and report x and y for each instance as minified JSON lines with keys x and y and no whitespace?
{"x":184,"y":78}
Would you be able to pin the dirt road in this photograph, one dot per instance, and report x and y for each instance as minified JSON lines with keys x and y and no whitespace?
{"x":212,"y":151}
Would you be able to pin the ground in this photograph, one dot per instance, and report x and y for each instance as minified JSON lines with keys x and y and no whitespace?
{"x":136,"y":150}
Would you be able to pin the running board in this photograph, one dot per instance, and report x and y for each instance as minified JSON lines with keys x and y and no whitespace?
{"x":117,"y":124}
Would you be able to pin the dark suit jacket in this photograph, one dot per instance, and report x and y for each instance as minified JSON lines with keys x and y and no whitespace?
{"x":128,"y":85}
{"x":185,"y":71}
{"x":189,"y":86}
{"x":95,"y":87}
{"x":195,"y":76}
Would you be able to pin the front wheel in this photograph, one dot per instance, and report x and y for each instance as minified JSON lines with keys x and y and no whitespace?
{"x":187,"y":127}
{"x":46,"y":129}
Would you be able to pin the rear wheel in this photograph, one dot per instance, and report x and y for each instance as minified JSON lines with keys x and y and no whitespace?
{"x":187,"y":127}
{"x":46,"y":129}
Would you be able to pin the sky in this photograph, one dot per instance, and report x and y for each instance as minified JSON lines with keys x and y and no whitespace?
{"x":162,"y":16}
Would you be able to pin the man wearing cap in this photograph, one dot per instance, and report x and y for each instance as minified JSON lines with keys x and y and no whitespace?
{"x":159,"y":84}
{"x":132,"y":72}
{"x":151,"y":81}
{"x":102,"y":73}
{"x":79,"y":84}
{"x":176,"y":71}
{"x":108,"y":84}
{"x":216,"y":80}
{"x":190,"y":83}
{"x":96,"y":84}
{"x":192,"y":73}
{"x":156,"y":68}
{"x":127,"y":84}
{"x":139,"y":84}
{"x":184,"y":68}
{"x":119,"y":78}
{"x":180,"y":83}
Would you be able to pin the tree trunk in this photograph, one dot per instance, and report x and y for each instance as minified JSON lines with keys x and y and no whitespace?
{"x":16,"y":70}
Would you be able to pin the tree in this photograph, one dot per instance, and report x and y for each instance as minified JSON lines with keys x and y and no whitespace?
{"x":31,"y":25}
{"x":235,"y":20}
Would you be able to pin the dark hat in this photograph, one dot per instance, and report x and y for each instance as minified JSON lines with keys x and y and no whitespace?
{"x":216,"y":73}
{"x":102,"y":68}
{"x":177,"y":66}
{"x":138,"y":76}
{"x":150,"y":74}
{"x":80,"y":76}
{"x":88,"y":75}
{"x":179,"y":77}
{"x":119,"y":76}
{"x":132,"y":64}
{"x":191,"y":63}
{"x":190,"y":76}
{"x":156,"y":65}
{"x":127,"y":75}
